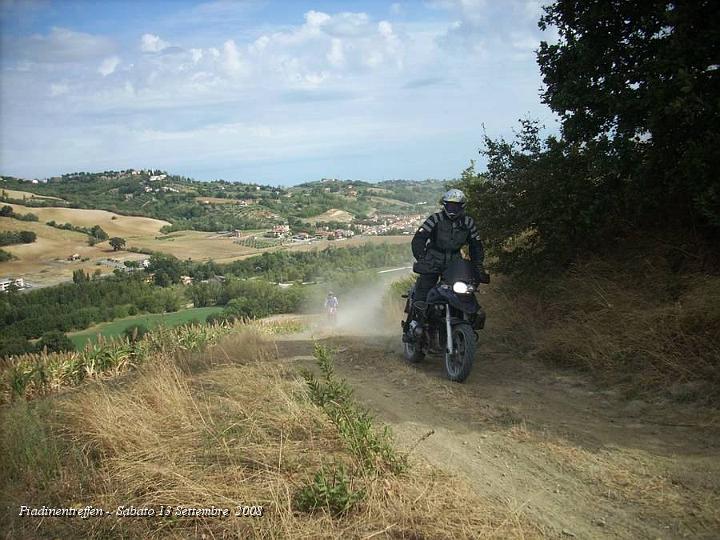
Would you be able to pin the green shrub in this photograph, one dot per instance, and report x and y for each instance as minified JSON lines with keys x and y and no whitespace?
{"x":14,"y":346}
{"x":55,"y":341}
{"x":331,"y":490}
{"x":373,"y":449}
{"x":135,"y":332}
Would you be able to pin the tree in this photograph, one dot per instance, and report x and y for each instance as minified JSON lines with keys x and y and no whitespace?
{"x":639,"y":83}
{"x":166,"y":269}
{"x":7,"y":211}
{"x":534,"y":203}
{"x":117,"y":243}
{"x":27,"y":237}
{"x":205,"y":294}
{"x":80,"y":277}
{"x":98,"y":233}
{"x":55,"y":341}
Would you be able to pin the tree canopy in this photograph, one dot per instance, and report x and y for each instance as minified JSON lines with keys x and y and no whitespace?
{"x":637,"y":88}
{"x":640,"y":81}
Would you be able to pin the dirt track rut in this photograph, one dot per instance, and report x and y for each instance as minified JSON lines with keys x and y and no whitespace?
{"x":575,"y":460}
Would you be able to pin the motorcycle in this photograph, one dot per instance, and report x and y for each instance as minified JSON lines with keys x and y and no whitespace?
{"x":331,"y":312}
{"x":447,"y":321}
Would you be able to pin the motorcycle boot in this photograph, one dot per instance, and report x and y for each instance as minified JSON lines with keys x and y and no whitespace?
{"x":415,"y":325}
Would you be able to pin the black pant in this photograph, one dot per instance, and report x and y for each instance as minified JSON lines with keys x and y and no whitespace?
{"x":424,"y":283}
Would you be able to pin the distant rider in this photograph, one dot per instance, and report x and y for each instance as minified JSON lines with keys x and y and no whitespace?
{"x":438,"y":241}
{"x":331,"y":302}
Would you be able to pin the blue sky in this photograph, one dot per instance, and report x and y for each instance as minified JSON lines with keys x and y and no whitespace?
{"x":277,"y":92}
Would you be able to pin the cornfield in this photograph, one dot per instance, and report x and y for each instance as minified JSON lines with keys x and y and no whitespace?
{"x":31,"y":375}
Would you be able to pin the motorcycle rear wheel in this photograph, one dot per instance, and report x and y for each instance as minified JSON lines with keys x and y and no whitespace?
{"x":458,"y":364}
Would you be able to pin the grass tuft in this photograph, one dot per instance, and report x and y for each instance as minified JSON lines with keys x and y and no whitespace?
{"x":331,"y":489}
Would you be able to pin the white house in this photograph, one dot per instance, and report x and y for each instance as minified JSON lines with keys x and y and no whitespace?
{"x":5,"y":283}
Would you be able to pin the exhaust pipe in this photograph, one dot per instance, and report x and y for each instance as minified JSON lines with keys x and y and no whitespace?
{"x":448,"y":331}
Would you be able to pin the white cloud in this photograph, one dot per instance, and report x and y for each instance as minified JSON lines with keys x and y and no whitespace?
{"x":61,"y":45}
{"x":108,"y":65}
{"x":525,"y":42}
{"x":152,"y":43}
{"x":316,"y":19}
{"x":58,"y":89}
{"x":258,"y":46}
{"x":470,"y":11}
{"x":336,"y":56}
{"x":197,"y":55}
{"x":347,"y":24}
{"x":231,"y":61}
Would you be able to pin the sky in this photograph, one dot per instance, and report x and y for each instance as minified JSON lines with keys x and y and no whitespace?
{"x":266,"y":91}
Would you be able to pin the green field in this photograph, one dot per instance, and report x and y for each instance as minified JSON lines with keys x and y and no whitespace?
{"x":150,"y":320}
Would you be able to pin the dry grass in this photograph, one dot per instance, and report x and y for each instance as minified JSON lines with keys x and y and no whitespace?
{"x":113,"y":224}
{"x":196,"y":245}
{"x":636,"y":478}
{"x":202,"y":246}
{"x":679,"y":491}
{"x":226,"y":428}
{"x":15,"y":194}
{"x":631,"y":322}
{"x":44,"y":262}
{"x":331,"y":215}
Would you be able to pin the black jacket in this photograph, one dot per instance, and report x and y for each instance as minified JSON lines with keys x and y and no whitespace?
{"x":438,"y":241}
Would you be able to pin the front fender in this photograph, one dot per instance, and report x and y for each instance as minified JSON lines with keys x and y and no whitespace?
{"x":467,"y":303}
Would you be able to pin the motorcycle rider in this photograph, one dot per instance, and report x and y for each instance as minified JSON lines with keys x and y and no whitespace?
{"x":437,"y":243}
{"x":331,"y":301}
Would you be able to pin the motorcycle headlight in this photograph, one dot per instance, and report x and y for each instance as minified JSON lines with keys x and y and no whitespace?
{"x":460,"y":287}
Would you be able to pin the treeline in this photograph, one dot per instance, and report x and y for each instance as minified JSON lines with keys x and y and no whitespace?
{"x":75,"y":306}
{"x":284,"y":266}
{"x":7,"y":211}
{"x":35,"y":202}
{"x":96,"y":233}
{"x":246,"y":298}
{"x":636,"y":87}
{"x":8,"y":238}
{"x":289,"y":266}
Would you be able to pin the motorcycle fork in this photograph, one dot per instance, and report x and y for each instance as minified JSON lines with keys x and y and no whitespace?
{"x":448,"y":330}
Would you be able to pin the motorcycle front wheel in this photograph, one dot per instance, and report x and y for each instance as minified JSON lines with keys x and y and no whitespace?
{"x":459,"y":362}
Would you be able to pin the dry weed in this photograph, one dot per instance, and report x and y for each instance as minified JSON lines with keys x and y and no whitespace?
{"x":629,"y":322}
{"x":226,"y":428}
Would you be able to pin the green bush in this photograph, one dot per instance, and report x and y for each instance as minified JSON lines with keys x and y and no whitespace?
{"x":5,"y":256}
{"x":373,"y":449}
{"x":15,"y":346}
{"x":55,"y":341}
{"x":331,"y":490}
{"x":135,"y":332}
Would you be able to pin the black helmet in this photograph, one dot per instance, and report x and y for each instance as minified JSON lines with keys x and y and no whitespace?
{"x":454,"y":203}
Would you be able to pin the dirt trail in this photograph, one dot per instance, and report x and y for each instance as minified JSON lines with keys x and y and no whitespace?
{"x":578,"y":461}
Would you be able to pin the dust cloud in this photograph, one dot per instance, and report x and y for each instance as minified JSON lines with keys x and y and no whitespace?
{"x":367,"y":310}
